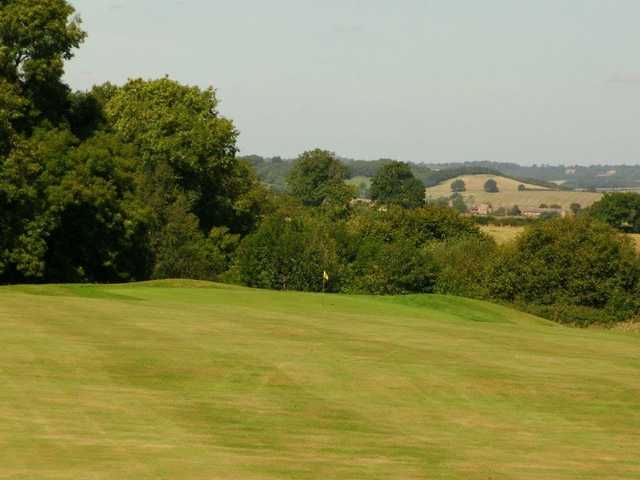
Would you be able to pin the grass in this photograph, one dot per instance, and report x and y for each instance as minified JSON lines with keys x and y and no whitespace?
{"x":200,"y":381}
{"x":508,"y":196}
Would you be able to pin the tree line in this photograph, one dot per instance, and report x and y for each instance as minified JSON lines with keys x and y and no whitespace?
{"x":143,"y":180}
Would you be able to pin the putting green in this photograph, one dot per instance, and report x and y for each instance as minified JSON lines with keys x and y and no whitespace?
{"x":187,"y":380}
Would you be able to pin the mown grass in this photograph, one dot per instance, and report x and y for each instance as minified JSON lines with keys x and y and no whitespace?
{"x":200,"y":381}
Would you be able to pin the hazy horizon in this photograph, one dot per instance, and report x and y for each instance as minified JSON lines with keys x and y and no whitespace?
{"x":546,"y":82}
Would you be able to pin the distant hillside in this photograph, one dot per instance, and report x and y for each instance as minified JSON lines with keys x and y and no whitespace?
{"x":273,"y":172}
{"x":576,"y":176}
{"x":509,"y":195}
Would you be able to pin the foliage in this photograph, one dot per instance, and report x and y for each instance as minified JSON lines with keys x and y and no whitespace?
{"x":620,"y":210}
{"x":395,"y":184}
{"x":458,"y":203}
{"x":49,"y":188}
{"x":458,"y":185}
{"x":575,"y":208}
{"x":398,"y":267}
{"x":289,"y":253}
{"x":316,"y":177}
{"x":36,"y":37}
{"x":463,"y":265}
{"x":569,"y":262}
{"x":490,"y":186}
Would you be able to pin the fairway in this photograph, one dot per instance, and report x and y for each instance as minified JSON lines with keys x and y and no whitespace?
{"x":188,"y":380}
{"x":509,"y":195}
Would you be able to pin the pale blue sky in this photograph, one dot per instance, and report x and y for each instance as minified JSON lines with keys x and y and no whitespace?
{"x":535,"y":81}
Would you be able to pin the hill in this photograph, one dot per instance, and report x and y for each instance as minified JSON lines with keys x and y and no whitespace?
{"x":189,"y":380}
{"x":509,"y":195}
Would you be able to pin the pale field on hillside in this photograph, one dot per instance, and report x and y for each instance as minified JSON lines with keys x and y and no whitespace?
{"x":509,"y":195}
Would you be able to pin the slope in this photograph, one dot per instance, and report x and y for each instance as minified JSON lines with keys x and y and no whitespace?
{"x":182,"y":380}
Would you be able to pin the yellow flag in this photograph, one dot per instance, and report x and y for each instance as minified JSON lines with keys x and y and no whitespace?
{"x":325,"y":276}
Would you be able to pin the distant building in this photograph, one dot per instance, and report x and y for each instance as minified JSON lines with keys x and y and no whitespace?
{"x":531,"y":212}
{"x":482,"y":209}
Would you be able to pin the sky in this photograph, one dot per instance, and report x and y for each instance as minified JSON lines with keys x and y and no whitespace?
{"x":524,"y":81}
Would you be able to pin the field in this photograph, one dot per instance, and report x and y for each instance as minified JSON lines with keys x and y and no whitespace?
{"x":182,"y":380}
{"x":502,"y":234}
{"x":508,"y":196}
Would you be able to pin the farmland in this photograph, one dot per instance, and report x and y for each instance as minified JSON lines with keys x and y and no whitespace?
{"x":192,"y":380}
{"x":509,"y":195}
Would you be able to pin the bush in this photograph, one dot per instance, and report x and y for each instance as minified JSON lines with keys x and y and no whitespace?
{"x":289,"y":253}
{"x":390,"y":268}
{"x":463,"y":265}
{"x":420,"y":226}
{"x":572,"y":262}
{"x":620,"y":210}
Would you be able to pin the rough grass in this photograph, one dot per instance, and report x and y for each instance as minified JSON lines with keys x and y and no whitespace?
{"x":508,"y":196}
{"x":169,"y":381}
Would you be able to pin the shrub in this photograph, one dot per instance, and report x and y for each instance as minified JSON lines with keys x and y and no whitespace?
{"x":289,"y":253}
{"x":620,"y":210}
{"x":575,"y":262}
{"x":463,"y":265}
{"x":390,"y":268}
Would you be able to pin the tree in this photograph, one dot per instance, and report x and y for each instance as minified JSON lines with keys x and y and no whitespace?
{"x":36,"y":37}
{"x":490,"y":186}
{"x":317,"y":176}
{"x":290,"y":251}
{"x":66,"y":214}
{"x":543,"y":205}
{"x":572,"y":261}
{"x":515,"y":211}
{"x":457,"y":203}
{"x":395,"y":184}
{"x":620,"y":210}
{"x":458,"y":186}
{"x":575,"y":208}
{"x":178,"y":127}
{"x":521,"y":188}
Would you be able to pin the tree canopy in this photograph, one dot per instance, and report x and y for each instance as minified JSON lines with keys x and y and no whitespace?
{"x":395,"y":184}
{"x":491,"y":186}
{"x":620,"y":210}
{"x":318,"y":176}
{"x":458,"y":186}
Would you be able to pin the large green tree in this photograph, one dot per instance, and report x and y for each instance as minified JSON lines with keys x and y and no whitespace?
{"x":179,"y":128}
{"x":395,"y":184}
{"x":36,"y":37}
{"x":620,"y":210}
{"x":317,"y":176}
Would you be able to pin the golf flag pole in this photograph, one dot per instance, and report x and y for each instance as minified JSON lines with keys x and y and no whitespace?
{"x":325,"y":280}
